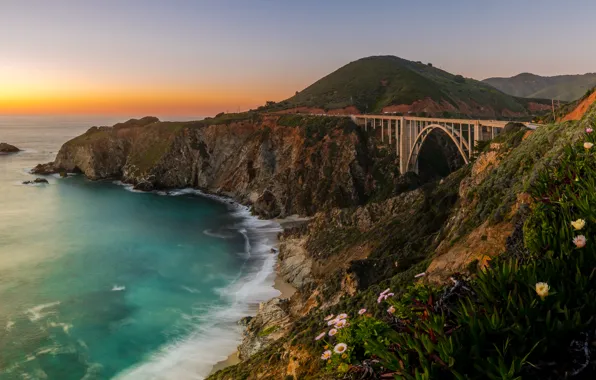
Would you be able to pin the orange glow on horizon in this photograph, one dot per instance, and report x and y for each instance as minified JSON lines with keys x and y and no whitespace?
{"x":24,"y":91}
{"x":145,"y":101}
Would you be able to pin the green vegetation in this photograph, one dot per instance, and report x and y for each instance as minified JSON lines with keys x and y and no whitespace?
{"x":268,"y":330}
{"x":372,"y":83}
{"x":530,"y":316}
{"x":561,"y":87}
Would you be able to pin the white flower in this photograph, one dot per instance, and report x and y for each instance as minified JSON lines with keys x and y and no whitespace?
{"x":420,"y":275}
{"x":588,"y":145}
{"x":341,"y":323}
{"x":326,"y":355}
{"x":340,"y":348}
{"x":542,"y":289}
{"x":332,"y":322}
{"x":580,"y":241}
{"x":342,"y":316}
{"x":320,"y":336}
{"x":330,"y":316}
{"x":579,"y":224}
{"x":332,"y":332}
{"x":361,"y":311}
{"x":391,"y":310}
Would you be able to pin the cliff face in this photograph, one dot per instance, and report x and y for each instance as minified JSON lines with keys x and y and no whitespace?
{"x":281,"y":164}
{"x":343,"y":258}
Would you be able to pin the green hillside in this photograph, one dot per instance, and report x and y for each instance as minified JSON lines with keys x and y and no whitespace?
{"x":372,"y":83}
{"x":560,"y":87}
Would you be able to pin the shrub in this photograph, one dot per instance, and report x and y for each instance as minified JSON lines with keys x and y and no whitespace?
{"x":503,"y":324}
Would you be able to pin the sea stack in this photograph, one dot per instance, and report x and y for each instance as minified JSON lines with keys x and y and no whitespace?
{"x":7,"y":148}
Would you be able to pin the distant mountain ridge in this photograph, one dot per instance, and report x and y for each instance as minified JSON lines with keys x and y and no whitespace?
{"x":560,"y":87}
{"x":392,"y":84}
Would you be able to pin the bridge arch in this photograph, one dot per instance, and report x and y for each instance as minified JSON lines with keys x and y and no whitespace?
{"x":458,"y":140}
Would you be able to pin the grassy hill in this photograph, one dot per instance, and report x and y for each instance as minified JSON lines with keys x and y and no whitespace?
{"x":561,"y":87}
{"x":374,"y":84}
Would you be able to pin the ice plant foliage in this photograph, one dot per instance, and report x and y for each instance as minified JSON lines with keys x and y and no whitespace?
{"x":504,"y":321}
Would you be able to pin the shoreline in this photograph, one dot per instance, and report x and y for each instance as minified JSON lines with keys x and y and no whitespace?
{"x":287,"y":291}
{"x":285,"y":288}
{"x":241,"y":210}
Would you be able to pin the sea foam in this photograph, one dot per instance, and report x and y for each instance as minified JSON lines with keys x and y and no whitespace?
{"x":217,"y":333}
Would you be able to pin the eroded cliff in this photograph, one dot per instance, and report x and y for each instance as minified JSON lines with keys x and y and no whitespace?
{"x":281,"y":165}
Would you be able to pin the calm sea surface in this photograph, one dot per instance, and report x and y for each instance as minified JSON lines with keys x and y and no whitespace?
{"x":100,"y":282}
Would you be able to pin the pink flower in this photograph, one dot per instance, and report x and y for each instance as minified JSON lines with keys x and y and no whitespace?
{"x":332,"y":332}
{"x":342,"y":316}
{"x":361,"y":311}
{"x":341,"y":323}
{"x":330,"y":316}
{"x":381,"y":298}
{"x":391,"y":310}
{"x":580,"y":241}
{"x":385,"y":291}
{"x":332,"y":322}
{"x":589,"y":130}
{"x":340,"y":348}
{"x":420,"y":275}
{"x":326,"y":355}
{"x":389,"y":295}
{"x":320,"y":336}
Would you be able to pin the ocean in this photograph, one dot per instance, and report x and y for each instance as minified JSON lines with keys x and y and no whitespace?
{"x":101,"y":282}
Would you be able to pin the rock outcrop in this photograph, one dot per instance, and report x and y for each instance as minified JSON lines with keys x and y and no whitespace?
{"x":271,"y":323}
{"x":36,"y":181}
{"x":7,"y":148}
{"x":282,"y":165}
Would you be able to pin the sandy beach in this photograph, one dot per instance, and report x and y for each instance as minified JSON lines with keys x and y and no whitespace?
{"x":284,"y":288}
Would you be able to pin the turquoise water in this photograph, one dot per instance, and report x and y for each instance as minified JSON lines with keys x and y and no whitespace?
{"x":99,"y":282}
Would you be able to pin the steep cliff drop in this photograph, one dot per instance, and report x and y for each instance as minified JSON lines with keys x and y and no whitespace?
{"x":281,"y":165}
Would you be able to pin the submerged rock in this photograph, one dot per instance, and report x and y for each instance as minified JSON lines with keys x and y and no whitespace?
{"x":44,"y":169}
{"x":36,"y":180}
{"x":7,"y":148}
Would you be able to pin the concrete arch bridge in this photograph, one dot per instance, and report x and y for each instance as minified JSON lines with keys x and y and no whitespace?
{"x":409,"y":134}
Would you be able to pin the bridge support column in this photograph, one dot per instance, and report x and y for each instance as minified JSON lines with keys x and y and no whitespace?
{"x":477,"y":137}
{"x":397,"y":136}
{"x":405,"y":144}
{"x":389,"y":130}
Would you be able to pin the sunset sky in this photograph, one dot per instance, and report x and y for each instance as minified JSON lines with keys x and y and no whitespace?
{"x":183,"y":57}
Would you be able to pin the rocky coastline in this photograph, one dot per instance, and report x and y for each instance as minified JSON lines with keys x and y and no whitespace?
{"x":280,"y":166}
{"x":364,"y":225}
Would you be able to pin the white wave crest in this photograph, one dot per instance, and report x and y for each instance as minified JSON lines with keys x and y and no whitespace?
{"x":36,"y":313}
